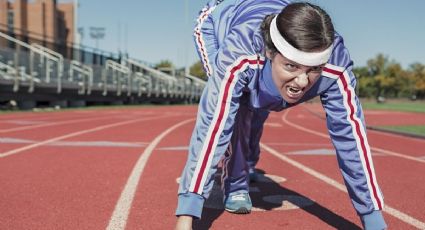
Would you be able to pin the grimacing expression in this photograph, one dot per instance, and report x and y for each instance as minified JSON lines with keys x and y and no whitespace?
{"x":293,"y":80}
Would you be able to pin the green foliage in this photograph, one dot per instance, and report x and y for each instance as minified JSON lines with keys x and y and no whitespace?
{"x":417,"y":79}
{"x":386,"y":78}
{"x":164,"y":64}
{"x":197,"y":70}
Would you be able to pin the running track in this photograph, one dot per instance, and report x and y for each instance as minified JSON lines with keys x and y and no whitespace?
{"x":118,"y":169}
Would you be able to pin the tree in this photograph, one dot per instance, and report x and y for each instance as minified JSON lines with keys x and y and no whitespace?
{"x":365,"y":83}
{"x":417,"y":77}
{"x":376,"y":69}
{"x":395,"y":79}
{"x":389,"y":78}
{"x":377,"y":65}
{"x":166,"y":66}
{"x":197,"y":70}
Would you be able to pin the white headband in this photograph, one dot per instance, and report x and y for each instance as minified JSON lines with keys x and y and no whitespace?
{"x":293,"y":54}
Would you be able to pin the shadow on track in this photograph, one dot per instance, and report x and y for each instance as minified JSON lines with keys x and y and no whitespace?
{"x":271,"y":196}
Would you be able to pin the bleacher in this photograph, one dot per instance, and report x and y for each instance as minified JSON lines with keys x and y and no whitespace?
{"x":34,"y":75}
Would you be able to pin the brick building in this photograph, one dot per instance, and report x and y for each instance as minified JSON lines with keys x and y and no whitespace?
{"x":42,"y":21}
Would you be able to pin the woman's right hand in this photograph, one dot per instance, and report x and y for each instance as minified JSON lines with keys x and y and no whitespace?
{"x":184,"y":223}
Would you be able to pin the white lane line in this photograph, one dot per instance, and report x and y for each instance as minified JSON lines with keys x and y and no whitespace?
{"x":119,"y":217}
{"x":23,"y":122}
{"x":271,"y":124}
{"x":304,"y":168}
{"x":76,"y":143}
{"x":395,"y":135}
{"x":51,"y":124}
{"x":322,"y":116}
{"x":392,"y":211}
{"x":395,"y":154}
{"x":175,"y":148}
{"x":327,"y":136}
{"x":299,"y":144}
{"x":18,"y":150}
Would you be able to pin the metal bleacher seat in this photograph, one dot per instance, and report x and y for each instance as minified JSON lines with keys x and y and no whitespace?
{"x":35,"y":69}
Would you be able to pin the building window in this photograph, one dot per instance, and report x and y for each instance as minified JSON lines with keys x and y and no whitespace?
{"x":10,"y":22}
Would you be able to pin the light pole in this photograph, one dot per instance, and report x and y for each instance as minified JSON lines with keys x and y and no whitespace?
{"x":77,"y":33}
{"x":186,"y":25}
{"x":97,"y":33}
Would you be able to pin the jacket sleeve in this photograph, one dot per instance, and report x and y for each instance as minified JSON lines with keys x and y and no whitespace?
{"x":347,"y":130}
{"x":231,"y":67}
{"x":205,"y":39}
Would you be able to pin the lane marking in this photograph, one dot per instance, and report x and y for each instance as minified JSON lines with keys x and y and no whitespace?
{"x":175,"y":148}
{"x":392,"y":211}
{"x":272,"y":124}
{"x":24,"y":122}
{"x":285,"y":120}
{"x":186,"y":147}
{"x":7,"y":140}
{"x":298,"y":144}
{"x":322,"y":152}
{"x":19,"y":150}
{"x":313,"y":152}
{"x":398,"y":154}
{"x":370,"y":129}
{"x":304,"y":168}
{"x":51,"y":124}
{"x":119,"y":217}
{"x":321,"y":115}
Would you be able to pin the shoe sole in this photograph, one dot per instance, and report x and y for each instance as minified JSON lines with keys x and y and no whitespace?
{"x":239,"y":211}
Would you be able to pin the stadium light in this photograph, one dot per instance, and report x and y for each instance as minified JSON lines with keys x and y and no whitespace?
{"x":97,"y":33}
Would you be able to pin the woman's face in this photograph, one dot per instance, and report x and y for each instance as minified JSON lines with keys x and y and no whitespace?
{"x":292,"y":79}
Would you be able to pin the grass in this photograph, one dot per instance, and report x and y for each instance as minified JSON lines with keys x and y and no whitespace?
{"x":416,"y":129}
{"x":405,"y":106}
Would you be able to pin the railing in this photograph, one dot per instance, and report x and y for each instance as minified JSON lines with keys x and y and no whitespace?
{"x":10,"y":73}
{"x":144,"y":84}
{"x":85,"y":75}
{"x":48,"y":56}
{"x":162,"y":83}
{"x":119,"y":77}
{"x":32,"y":66}
{"x":21,"y":62}
{"x":197,"y":86}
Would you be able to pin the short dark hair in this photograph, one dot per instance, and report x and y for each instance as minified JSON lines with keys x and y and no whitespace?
{"x":305,"y":26}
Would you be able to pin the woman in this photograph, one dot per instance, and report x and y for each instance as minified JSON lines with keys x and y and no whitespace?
{"x":270,"y":55}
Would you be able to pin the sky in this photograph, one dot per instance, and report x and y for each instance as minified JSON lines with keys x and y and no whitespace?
{"x":153,"y":31}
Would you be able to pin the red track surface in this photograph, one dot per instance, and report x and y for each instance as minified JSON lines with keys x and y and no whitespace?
{"x":68,"y":170}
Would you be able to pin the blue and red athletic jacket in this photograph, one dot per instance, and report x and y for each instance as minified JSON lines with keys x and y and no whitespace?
{"x":229,"y":42}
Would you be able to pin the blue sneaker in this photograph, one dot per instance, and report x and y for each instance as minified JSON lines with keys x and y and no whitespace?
{"x":238,"y":203}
